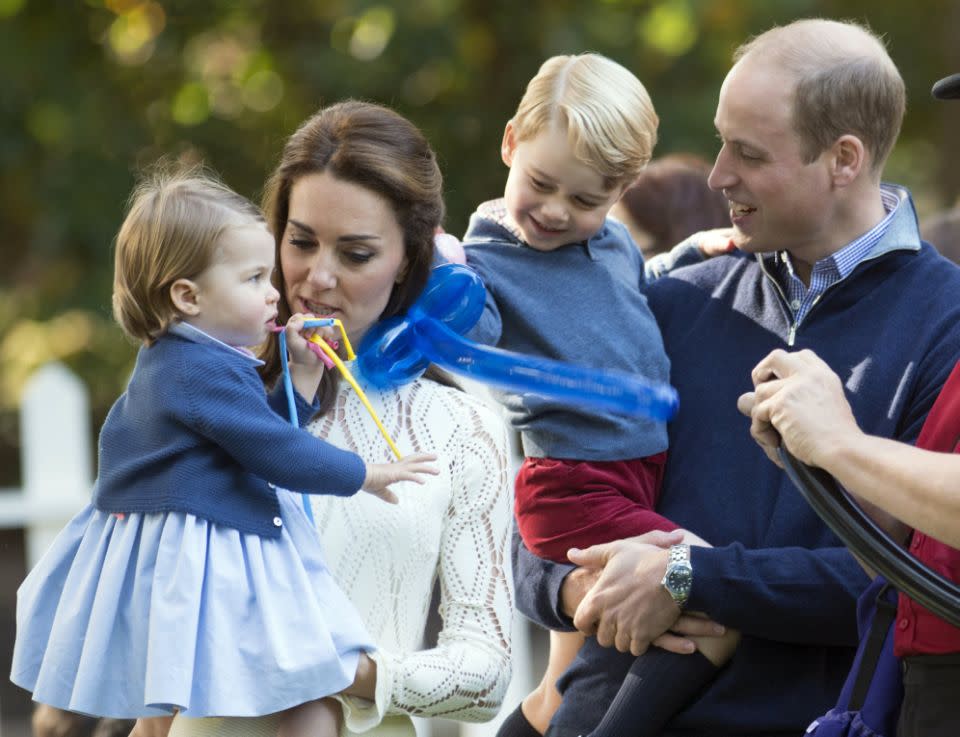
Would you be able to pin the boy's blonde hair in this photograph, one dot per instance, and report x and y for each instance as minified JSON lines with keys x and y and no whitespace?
{"x":606,"y":111}
{"x":174,"y":221}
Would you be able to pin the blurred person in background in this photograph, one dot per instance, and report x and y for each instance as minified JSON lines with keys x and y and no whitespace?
{"x":942,"y":231}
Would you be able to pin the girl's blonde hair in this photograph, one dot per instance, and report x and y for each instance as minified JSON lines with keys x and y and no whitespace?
{"x":174,"y":221}
{"x":606,"y":111}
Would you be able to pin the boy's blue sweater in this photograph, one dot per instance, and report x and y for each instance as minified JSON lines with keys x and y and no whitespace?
{"x":194,"y":433}
{"x":583,"y":304}
{"x":892,"y":332}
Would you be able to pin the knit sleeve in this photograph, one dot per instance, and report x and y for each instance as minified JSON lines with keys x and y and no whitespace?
{"x":280,"y":403}
{"x":757,"y":591}
{"x":466,"y":675}
{"x":684,"y":253}
{"x":489,"y":327}
{"x":226,"y":404}
{"x":537,"y":584}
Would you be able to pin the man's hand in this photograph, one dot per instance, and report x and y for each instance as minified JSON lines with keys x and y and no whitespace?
{"x":575,"y":586}
{"x":628,"y":607}
{"x":798,"y":400}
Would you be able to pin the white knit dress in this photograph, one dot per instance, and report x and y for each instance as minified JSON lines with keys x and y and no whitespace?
{"x":386,"y":559}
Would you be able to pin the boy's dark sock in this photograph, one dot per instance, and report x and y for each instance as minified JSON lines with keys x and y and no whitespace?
{"x":659,"y":685}
{"x":516,"y":725}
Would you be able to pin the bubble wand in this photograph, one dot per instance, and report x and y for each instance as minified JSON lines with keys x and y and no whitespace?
{"x":328,"y":355}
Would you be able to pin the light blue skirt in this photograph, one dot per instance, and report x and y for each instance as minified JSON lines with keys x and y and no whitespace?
{"x":134,"y":617}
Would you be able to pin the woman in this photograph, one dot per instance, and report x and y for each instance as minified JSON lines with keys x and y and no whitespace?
{"x":353,"y":205}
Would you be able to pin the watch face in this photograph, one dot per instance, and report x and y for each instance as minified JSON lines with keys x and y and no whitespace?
{"x":679,"y":580}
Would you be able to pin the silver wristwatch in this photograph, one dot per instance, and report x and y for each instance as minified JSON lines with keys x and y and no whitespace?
{"x":678,"y":580}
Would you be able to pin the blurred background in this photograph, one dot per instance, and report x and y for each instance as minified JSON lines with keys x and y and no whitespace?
{"x":91,"y":91}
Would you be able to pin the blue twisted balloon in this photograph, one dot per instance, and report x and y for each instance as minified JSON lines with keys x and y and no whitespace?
{"x":398,"y":350}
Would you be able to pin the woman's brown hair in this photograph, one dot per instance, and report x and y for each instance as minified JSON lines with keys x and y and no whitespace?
{"x":376,"y":148}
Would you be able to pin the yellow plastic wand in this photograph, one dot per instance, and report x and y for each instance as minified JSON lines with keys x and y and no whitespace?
{"x":332,"y":355}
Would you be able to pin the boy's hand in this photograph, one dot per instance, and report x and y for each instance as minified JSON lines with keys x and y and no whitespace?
{"x":297,"y":338}
{"x":410,"y":468}
{"x":716,"y":242}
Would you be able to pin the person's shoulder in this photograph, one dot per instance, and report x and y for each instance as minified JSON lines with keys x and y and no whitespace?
{"x":613,"y":237}
{"x":490,"y":226}
{"x":930,"y":258}
{"x":934,"y":281}
{"x":456,"y":406}
{"x":617,"y":232}
{"x":197,"y":367}
{"x":922,"y":271}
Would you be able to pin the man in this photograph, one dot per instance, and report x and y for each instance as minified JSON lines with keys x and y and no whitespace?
{"x":799,"y":401}
{"x":830,"y":260}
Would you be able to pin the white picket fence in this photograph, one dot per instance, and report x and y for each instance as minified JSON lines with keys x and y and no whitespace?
{"x":57,"y":477}
{"x":56,"y":458}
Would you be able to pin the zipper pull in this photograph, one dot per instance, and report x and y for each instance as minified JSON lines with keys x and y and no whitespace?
{"x":792,"y":335}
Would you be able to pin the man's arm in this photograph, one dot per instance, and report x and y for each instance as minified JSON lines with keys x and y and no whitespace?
{"x":794,"y":595}
{"x":754,"y":591}
{"x":919,"y":487}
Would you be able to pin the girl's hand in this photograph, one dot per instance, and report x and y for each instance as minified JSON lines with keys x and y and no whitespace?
{"x":297,"y":338}
{"x":410,"y":468}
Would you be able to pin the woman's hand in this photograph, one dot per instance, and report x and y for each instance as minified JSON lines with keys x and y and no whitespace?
{"x":409,"y":468}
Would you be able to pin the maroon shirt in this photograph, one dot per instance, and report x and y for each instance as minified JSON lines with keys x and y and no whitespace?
{"x":918,"y":631}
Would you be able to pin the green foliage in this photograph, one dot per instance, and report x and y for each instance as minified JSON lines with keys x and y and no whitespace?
{"x":95,"y":91}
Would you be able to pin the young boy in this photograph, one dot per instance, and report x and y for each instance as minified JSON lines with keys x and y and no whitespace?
{"x":565,"y":282}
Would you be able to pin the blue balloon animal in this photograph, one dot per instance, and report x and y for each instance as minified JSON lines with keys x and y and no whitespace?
{"x":398,"y":350}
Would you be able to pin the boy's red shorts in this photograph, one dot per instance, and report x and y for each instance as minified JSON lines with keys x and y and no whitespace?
{"x":563,"y":504}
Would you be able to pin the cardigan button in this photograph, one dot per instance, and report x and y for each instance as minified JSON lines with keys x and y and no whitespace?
{"x":903,"y":623}
{"x":277,"y":522}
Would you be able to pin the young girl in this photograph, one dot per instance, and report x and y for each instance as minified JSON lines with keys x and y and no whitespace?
{"x":192,"y":582}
